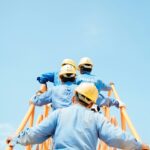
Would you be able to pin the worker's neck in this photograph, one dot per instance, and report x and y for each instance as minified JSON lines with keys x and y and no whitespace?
{"x":79,"y":103}
{"x":85,"y":72}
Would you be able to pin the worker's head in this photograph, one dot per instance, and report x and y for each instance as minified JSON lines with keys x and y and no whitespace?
{"x":85,"y":65}
{"x":86,"y":94}
{"x":67,"y":73}
{"x":69,"y":62}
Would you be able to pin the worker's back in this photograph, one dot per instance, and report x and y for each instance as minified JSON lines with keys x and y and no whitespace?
{"x":88,"y":77}
{"x":76,"y":129}
{"x":62,"y":95}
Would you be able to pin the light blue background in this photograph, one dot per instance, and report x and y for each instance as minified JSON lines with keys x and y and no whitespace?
{"x":35,"y":36}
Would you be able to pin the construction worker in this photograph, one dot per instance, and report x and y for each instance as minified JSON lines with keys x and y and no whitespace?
{"x":77,"y":127}
{"x":85,"y":67}
{"x":102,"y":101}
{"x":54,"y":76}
{"x":60,"y":95}
{"x":59,"y":99}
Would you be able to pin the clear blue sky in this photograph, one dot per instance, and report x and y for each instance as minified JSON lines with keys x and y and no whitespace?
{"x":35,"y":36}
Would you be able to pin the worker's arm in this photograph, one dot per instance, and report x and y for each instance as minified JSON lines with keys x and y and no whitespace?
{"x":46,"y":77}
{"x":114,"y":136}
{"x":106,"y":101}
{"x":42,"y":99}
{"x":102,"y":86}
{"x":112,"y":102}
{"x":37,"y":134}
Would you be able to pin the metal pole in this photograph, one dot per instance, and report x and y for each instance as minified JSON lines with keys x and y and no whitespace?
{"x":124,"y":116}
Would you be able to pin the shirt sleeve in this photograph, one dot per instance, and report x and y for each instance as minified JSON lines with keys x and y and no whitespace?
{"x":40,"y":133}
{"x":101,"y":101}
{"x":46,"y":77}
{"x":106,"y":101}
{"x":102,"y":86}
{"x":114,"y":136}
{"x":43,"y":99}
{"x":112,"y":102}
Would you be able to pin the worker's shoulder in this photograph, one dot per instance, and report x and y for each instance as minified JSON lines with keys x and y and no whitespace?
{"x":66,"y":85}
{"x":56,"y":72}
{"x":59,"y":86}
{"x":95,"y":76}
{"x":70,"y":109}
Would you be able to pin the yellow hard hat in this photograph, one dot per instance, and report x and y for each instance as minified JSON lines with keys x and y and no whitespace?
{"x":67,"y":69}
{"x":69,"y":62}
{"x":88,"y":90}
{"x":85,"y":61}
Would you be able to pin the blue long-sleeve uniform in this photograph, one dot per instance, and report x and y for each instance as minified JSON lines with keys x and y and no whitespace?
{"x":88,"y":77}
{"x":106,"y":101}
{"x":77,"y":128}
{"x":59,"y":96}
{"x":101,"y":86}
{"x":51,"y":77}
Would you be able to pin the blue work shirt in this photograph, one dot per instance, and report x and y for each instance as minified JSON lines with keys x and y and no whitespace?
{"x":88,"y":77}
{"x":59,"y":96}
{"x":77,"y":128}
{"x":51,"y":77}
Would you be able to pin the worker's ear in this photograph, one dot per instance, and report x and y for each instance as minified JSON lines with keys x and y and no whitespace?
{"x":74,"y":101}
